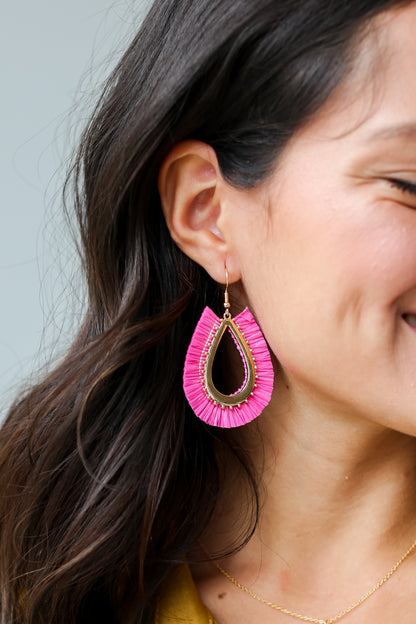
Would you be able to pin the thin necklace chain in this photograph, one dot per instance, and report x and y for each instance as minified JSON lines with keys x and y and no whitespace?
{"x":306,"y":618}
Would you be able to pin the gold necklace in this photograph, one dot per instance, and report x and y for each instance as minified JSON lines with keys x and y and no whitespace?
{"x":305,"y":618}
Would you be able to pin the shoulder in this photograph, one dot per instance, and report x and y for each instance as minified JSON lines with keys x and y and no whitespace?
{"x":179,"y":601}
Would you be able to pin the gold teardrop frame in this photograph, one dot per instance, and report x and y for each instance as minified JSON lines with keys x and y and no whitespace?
{"x":233,"y":400}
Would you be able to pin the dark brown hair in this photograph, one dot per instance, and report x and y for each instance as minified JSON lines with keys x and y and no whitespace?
{"x":106,"y":477}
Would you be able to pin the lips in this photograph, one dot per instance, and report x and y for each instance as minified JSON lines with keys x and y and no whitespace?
{"x":410,"y":318}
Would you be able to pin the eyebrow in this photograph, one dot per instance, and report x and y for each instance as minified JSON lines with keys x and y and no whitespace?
{"x":407,"y":130}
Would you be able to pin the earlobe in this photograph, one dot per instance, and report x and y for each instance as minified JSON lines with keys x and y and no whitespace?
{"x":190,"y":187}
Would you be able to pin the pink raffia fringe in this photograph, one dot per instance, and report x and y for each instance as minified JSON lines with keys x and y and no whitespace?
{"x":193,"y":382}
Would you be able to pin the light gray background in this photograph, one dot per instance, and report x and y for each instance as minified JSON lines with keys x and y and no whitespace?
{"x":53,"y":56}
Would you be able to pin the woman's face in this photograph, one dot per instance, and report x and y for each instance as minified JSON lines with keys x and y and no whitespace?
{"x":330,"y":271}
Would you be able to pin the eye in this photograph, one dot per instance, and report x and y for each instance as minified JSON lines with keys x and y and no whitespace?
{"x":403,"y":185}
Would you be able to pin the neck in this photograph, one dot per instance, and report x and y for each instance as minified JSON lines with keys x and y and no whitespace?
{"x":338,"y":498}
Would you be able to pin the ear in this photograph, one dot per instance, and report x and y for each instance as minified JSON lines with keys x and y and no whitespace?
{"x":194,"y":198}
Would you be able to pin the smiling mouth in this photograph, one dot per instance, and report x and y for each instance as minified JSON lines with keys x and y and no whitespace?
{"x":410,"y":318}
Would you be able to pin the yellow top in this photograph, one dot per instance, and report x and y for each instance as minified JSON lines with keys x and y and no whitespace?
{"x":179,"y":601}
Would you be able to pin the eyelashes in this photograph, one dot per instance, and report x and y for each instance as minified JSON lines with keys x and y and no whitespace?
{"x":403,"y":185}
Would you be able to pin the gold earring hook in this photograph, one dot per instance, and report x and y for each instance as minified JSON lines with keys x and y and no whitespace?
{"x":227,"y":306}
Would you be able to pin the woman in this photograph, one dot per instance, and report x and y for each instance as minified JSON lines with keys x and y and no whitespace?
{"x":269,"y":145}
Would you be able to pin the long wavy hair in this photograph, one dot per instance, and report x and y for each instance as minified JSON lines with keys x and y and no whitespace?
{"x":106,"y":477}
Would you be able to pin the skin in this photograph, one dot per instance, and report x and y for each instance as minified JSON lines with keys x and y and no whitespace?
{"x":324,"y":254}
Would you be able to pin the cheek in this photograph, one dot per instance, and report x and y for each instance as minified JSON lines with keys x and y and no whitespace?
{"x":324,"y":285}
{"x":294,"y":289}
{"x":293,"y":279}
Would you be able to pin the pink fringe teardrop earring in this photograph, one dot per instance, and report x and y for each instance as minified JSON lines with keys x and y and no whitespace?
{"x":249,"y":400}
